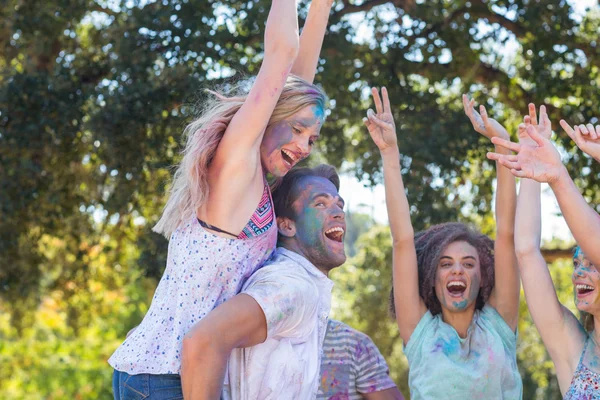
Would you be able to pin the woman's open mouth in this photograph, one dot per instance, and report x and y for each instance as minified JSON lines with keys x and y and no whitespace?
{"x":288,"y":157}
{"x":583,"y":289}
{"x":456,"y":288}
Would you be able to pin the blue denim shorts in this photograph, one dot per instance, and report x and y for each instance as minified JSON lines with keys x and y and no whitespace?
{"x":146,"y":386}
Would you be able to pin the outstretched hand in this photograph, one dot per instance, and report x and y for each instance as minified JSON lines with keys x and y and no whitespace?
{"x":381,"y":125}
{"x":587,"y":138}
{"x":488,"y":127}
{"x":543,"y":126}
{"x":536,"y":158}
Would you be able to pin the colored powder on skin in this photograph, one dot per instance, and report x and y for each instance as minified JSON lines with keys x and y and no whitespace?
{"x":460,"y":305}
{"x":278,"y":135}
{"x":475,"y":287}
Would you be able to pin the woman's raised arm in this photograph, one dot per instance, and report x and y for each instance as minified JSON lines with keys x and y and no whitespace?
{"x":409,"y":306}
{"x":311,"y":40}
{"x":505,"y":295}
{"x":241,"y":141}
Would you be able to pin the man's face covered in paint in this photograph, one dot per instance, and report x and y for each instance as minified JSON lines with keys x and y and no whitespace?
{"x":320,"y":222}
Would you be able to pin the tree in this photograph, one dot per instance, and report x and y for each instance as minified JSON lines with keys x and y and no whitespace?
{"x":94,"y":96}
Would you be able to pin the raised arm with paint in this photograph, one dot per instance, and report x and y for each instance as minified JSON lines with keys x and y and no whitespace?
{"x":539,"y":160}
{"x":563,"y":335}
{"x":219,"y":218}
{"x":459,"y":338}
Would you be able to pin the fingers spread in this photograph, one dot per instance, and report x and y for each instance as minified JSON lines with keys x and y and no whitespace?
{"x":494,"y":156}
{"x":592,"y":131}
{"x":532,"y":114}
{"x":386,"y":100}
{"x":532,"y":132}
{"x":544,"y":119}
{"x":506,"y":144}
{"x":484,"y":115}
{"x":377,"y":100}
{"x":567,"y":128}
{"x":519,"y":173}
{"x":510,"y":164}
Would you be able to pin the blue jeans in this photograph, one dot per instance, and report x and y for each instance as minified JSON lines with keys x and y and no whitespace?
{"x":146,"y":386}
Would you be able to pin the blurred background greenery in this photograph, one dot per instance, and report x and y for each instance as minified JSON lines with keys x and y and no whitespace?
{"x":93,"y":99}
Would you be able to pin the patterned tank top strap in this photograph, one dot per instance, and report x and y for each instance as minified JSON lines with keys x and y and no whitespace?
{"x":263,"y":217}
{"x":585,"y":345}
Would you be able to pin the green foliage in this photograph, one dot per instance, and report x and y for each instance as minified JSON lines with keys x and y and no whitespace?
{"x":94,"y":96}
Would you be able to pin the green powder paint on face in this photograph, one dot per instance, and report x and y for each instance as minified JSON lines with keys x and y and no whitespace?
{"x":316,"y":208}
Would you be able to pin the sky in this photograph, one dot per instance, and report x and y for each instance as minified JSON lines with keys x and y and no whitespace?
{"x":371,"y":201}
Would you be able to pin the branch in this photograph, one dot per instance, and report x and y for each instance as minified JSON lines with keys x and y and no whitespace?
{"x":98,"y":8}
{"x":482,"y":11}
{"x":368,"y":5}
{"x":551,"y":255}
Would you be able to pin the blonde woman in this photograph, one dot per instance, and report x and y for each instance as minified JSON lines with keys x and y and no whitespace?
{"x":219,"y":218}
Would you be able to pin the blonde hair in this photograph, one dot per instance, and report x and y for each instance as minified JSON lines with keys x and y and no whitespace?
{"x":587,"y":320}
{"x":189,"y":189}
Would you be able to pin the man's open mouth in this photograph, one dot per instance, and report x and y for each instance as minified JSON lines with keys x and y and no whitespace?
{"x":335,"y":234}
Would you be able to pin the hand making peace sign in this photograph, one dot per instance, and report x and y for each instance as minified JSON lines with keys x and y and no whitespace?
{"x":381,"y":125}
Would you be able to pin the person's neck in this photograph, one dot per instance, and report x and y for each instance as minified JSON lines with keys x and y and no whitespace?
{"x":460,"y":321}
{"x":291,"y":246}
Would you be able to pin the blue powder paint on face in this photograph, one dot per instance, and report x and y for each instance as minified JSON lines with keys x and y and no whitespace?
{"x":461,"y":305}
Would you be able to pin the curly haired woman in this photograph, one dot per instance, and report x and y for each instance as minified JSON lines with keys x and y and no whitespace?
{"x":219,"y":217}
{"x":457,"y":291}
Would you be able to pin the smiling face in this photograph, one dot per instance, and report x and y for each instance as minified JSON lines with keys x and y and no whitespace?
{"x":458,"y":277}
{"x":317,"y":231}
{"x":287,"y":142}
{"x":586,"y":280}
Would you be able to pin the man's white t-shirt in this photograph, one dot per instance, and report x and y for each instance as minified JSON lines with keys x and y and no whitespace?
{"x":295,"y":298}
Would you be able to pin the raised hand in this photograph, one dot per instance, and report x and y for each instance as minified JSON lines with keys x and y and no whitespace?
{"x":381,"y":125}
{"x":538,"y":160}
{"x":587,"y":138}
{"x":543,"y":126}
{"x":488,"y":127}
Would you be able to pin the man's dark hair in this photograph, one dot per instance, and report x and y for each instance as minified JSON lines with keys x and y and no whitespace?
{"x":283,"y":191}
{"x":430,"y":244}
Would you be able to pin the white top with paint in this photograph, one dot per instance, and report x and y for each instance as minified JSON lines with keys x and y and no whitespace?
{"x":296,"y":298}
{"x":203,"y":271}
{"x":442,"y":365}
